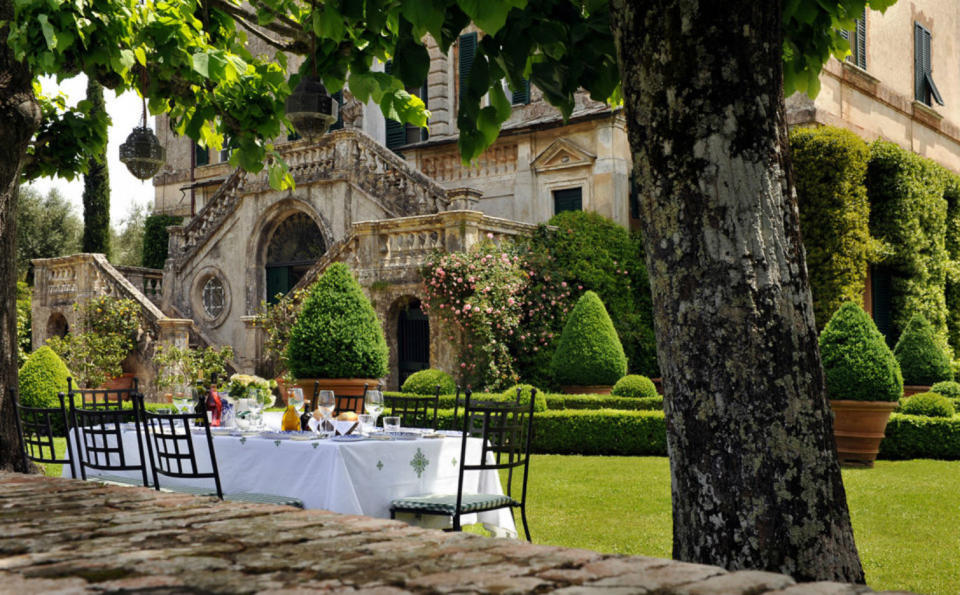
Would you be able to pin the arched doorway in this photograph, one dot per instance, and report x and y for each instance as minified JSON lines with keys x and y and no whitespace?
{"x":57,"y":325}
{"x":295,"y":246}
{"x":413,"y":340}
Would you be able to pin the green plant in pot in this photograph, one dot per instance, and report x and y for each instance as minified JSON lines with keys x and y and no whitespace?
{"x":337,"y":340}
{"x":863,"y":381}
{"x":923,"y":360}
{"x":589,"y":357}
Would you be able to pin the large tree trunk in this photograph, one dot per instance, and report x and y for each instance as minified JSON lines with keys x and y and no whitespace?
{"x":19,"y":117}
{"x":755,"y":478}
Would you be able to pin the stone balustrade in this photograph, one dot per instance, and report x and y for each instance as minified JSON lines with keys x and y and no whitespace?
{"x":148,"y":281}
{"x":185,"y":240}
{"x":71,"y":536}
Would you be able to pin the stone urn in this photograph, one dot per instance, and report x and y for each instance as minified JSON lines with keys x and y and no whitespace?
{"x":596,"y":389}
{"x":858,"y":428}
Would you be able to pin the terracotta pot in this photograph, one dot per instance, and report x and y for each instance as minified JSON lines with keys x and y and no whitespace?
{"x":858,"y":427}
{"x":121,"y":382}
{"x":597,"y":389}
{"x":341,"y":387}
{"x":913,"y":389}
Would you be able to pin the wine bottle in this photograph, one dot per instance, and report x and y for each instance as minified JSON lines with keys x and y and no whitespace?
{"x":214,"y":404}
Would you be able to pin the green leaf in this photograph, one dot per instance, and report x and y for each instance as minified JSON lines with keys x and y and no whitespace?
{"x":140,"y":55}
{"x":411,"y":62}
{"x":48,"y":32}
{"x":489,"y":15}
{"x":201,"y":64}
{"x":425,"y":15}
{"x":500,"y":103}
{"x":329,"y":24}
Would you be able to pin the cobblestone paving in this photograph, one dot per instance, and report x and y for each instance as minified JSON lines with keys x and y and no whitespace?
{"x":68,"y":536}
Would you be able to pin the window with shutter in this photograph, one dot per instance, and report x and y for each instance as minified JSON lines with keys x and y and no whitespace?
{"x":225,"y":151}
{"x":403,"y":134}
{"x":857,"y":38}
{"x":568,"y":199}
{"x":924,"y":87}
{"x":396,"y":132}
{"x":202,"y":155}
{"x":468,"y":49}
{"x":338,"y":97}
{"x":522,"y":95}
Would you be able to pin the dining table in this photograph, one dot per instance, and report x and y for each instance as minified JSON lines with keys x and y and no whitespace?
{"x":361,"y":476}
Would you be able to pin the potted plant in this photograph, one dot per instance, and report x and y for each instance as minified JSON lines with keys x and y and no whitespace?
{"x":589,"y":357}
{"x":923,"y":361}
{"x":337,"y":339}
{"x":863,"y":382}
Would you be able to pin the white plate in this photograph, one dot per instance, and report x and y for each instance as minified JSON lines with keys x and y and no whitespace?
{"x":403,"y":435}
{"x":349,"y":438}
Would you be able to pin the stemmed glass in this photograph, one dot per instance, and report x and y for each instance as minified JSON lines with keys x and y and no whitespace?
{"x":295,"y":399}
{"x":373,"y":404}
{"x":257,"y":405}
{"x":182,"y":400}
{"x":326,"y":403}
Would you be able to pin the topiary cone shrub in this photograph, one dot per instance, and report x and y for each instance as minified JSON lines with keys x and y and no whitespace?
{"x":589,"y":352}
{"x":337,"y":334}
{"x":42,"y":376}
{"x":636,"y":386}
{"x":922,"y":361}
{"x":424,"y":382}
{"x":863,"y":382}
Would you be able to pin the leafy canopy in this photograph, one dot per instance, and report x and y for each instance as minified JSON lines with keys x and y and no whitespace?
{"x":191,"y":59}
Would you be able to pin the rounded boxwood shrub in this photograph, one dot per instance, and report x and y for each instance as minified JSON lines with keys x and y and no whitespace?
{"x":634,"y":385}
{"x":539,"y":402}
{"x":929,"y":404}
{"x":337,"y":334}
{"x":922,"y":361}
{"x":857,"y":364}
{"x":589,"y":351}
{"x":424,"y":382}
{"x":947,"y":388}
{"x":42,"y":376}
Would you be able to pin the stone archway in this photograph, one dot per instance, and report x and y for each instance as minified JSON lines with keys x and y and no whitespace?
{"x":296,"y":243}
{"x":57,"y":325}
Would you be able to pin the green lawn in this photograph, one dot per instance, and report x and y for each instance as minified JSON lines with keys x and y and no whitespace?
{"x":906,"y":514}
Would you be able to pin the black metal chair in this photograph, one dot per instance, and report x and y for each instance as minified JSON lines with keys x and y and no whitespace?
{"x":414,"y":411}
{"x":102,"y":398}
{"x":37,"y":427}
{"x":100,"y":441}
{"x":173,"y":454}
{"x":344,"y":402}
{"x":505,"y":431}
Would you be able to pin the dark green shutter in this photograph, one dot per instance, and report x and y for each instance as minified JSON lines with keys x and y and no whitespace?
{"x":634,"y":199}
{"x":278,"y":281}
{"x":202,"y":154}
{"x":338,"y":97}
{"x":522,"y":95}
{"x":396,"y":132}
{"x":861,"y":41}
{"x":921,"y":62}
{"x":468,"y":49}
{"x":568,"y":199}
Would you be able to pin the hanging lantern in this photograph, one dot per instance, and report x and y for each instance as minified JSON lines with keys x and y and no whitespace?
{"x":310,"y":108}
{"x":142,"y":153}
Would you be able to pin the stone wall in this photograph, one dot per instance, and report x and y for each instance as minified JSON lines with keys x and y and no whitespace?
{"x":70,"y":536}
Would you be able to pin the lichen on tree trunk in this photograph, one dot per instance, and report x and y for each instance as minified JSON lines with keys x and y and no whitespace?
{"x":19,"y":117}
{"x":755,"y":478}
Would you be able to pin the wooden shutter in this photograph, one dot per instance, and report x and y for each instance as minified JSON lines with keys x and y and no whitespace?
{"x":338,"y":97}
{"x":396,"y":132}
{"x":921,"y":62}
{"x":202,"y":155}
{"x":468,"y":49}
{"x":568,"y":199}
{"x":861,"y":41}
{"x":522,"y":95}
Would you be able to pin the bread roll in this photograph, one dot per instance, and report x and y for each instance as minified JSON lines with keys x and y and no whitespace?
{"x":347,"y":416}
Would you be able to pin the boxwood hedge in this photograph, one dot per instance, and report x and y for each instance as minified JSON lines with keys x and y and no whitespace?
{"x":922,"y":360}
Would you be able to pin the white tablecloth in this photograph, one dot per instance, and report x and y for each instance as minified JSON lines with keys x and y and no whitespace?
{"x":346,"y":477}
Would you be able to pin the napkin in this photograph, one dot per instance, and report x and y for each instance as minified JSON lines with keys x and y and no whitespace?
{"x":344,"y":427}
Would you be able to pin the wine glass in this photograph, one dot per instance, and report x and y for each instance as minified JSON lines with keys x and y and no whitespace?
{"x":295,"y":398}
{"x":257,"y":405}
{"x":326,"y":403}
{"x":373,"y":404}
{"x":181,"y":401}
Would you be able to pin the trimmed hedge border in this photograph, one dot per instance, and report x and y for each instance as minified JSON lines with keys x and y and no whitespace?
{"x":558,"y":401}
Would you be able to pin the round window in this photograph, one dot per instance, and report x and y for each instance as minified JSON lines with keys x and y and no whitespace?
{"x":212,"y":297}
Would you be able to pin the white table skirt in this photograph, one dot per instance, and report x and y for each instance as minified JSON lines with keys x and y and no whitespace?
{"x":349,"y":478}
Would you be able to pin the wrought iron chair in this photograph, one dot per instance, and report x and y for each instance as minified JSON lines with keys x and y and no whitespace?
{"x":344,"y":403}
{"x":100,"y":441}
{"x":173,"y":454}
{"x":37,"y":427}
{"x":505,"y":430}
{"x":414,"y":412}
{"x":102,"y":398}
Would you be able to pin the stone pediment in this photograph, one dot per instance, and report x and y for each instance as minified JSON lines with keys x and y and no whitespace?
{"x":561,"y":154}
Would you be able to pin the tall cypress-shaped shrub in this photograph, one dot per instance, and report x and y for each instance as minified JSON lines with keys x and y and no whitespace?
{"x":829,"y":166}
{"x":922,"y":360}
{"x":589,"y":351}
{"x":857,"y":364}
{"x":908,"y":213}
{"x":337,"y":334}
{"x":96,"y":186}
{"x":952,"y":242}
{"x":155,"y":239}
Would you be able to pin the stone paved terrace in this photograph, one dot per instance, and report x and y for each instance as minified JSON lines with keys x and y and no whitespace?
{"x":69,"y":536}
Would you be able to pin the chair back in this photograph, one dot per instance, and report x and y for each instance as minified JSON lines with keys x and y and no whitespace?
{"x":37,"y":427}
{"x":414,"y":411}
{"x":343,"y":402}
{"x":100,"y":438}
{"x":505,"y":430}
{"x":102,"y":398}
{"x":171,"y":447}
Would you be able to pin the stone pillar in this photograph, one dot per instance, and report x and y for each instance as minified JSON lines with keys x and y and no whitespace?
{"x":463,"y":199}
{"x":251,"y":352}
{"x":175,"y":332}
